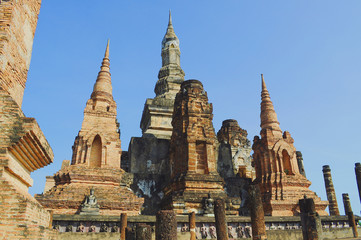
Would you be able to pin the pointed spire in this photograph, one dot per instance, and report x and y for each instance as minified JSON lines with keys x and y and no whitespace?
{"x":106,"y":55}
{"x":268,"y":114}
{"x":103,"y":85}
{"x":170,"y":19}
{"x":170,"y":37}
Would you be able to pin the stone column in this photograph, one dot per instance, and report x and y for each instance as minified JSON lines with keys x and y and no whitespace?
{"x":358,"y":177}
{"x":330,"y":191}
{"x":143,"y":232}
{"x":310,"y":220}
{"x":129,"y":234}
{"x":346,"y":203}
{"x":192,"y":225}
{"x":349,"y":213}
{"x":300,"y":163}
{"x":166,"y":225}
{"x":255,"y":206}
{"x":123,"y":225}
{"x":221,"y":224}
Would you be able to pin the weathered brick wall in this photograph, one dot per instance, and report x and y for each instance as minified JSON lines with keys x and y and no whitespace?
{"x":17,"y":28}
{"x":23,"y":147}
{"x":21,"y":216}
{"x":194,"y":176}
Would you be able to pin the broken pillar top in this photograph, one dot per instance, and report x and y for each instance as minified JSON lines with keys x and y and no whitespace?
{"x":307,"y":205}
{"x":326,"y":168}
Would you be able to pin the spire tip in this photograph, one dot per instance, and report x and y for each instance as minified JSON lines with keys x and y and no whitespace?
{"x":263,"y":83}
{"x":106,"y":55}
{"x":170,"y":18}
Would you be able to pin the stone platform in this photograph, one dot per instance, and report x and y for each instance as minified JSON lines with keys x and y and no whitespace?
{"x":73,"y":183}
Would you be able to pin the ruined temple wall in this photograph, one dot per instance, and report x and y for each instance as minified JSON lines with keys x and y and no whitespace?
{"x":22,"y":216}
{"x":23,"y":146}
{"x":277,"y":228}
{"x":149,"y":163}
{"x":271,"y":235}
{"x":17,"y":29}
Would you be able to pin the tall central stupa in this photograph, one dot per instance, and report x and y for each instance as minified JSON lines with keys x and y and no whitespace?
{"x":157,"y":114}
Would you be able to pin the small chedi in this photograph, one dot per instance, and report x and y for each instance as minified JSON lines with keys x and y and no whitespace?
{"x":193,"y":153}
{"x":277,"y":171}
{"x":95,"y":163}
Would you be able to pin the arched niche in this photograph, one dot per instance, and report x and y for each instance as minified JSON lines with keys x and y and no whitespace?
{"x":286,"y":160}
{"x":96,"y":152}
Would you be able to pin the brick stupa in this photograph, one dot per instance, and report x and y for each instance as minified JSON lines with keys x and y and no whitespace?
{"x":194,"y":176}
{"x":95,"y":162}
{"x":277,"y":172}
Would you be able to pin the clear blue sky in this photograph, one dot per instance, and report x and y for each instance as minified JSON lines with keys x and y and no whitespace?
{"x":308,"y":51}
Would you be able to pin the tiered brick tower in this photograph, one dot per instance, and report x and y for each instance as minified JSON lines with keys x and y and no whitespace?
{"x":96,"y":160}
{"x":277,"y":172}
{"x":157,"y":114}
{"x":192,"y":152}
{"x":98,"y":141}
{"x":234,"y":151}
{"x":235,"y":161}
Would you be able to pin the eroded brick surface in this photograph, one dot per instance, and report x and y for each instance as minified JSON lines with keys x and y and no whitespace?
{"x":23,"y":147}
{"x":192,"y":153}
{"x":17,"y":29}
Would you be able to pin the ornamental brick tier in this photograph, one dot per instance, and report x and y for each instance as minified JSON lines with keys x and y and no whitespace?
{"x":277,"y":171}
{"x":96,"y":160}
{"x":193,"y":154}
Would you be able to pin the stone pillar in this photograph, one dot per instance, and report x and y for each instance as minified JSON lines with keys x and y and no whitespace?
{"x":346,"y":203}
{"x":352,"y":223}
{"x":166,"y":225}
{"x":143,"y":232}
{"x":330,"y":191}
{"x":221,"y":224}
{"x":123,"y":225}
{"x":192,"y":225}
{"x":300,"y":163}
{"x":310,"y":220}
{"x":129,"y":234}
{"x":255,"y":206}
{"x":358,"y":177}
{"x":349,"y":213}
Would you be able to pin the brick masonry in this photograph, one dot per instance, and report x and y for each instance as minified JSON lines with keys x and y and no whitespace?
{"x":23,"y":147}
{"x":277,"y":171}
{"x":96,"y":160}
{"x":193,"y":154}
{"x":17,"y":27}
